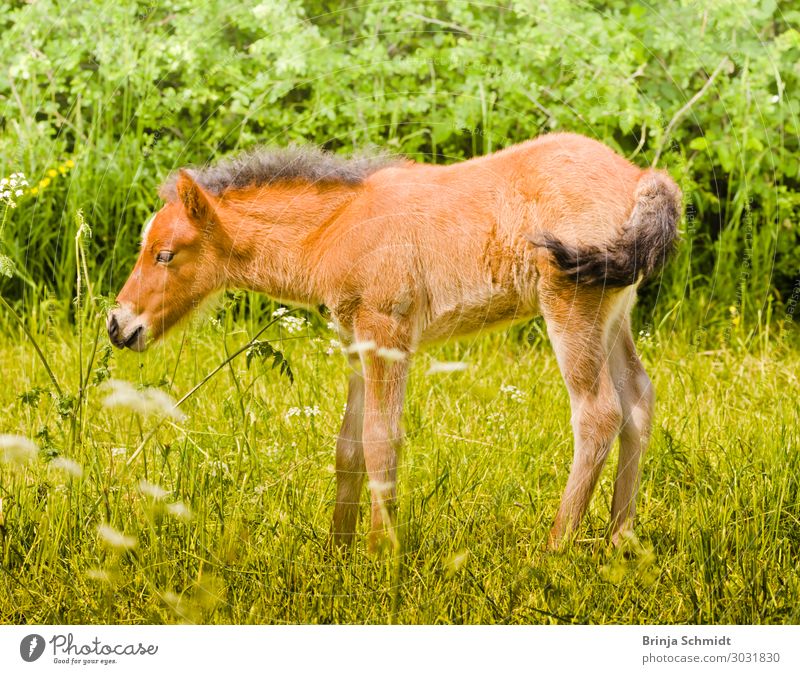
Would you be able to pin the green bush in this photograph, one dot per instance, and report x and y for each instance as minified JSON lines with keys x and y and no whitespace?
{"x":128,"y":90}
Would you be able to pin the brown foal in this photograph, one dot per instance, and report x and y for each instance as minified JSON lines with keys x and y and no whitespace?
{"x":405,"y":254}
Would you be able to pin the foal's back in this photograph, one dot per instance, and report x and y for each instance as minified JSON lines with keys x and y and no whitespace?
{"x":447,"y":247}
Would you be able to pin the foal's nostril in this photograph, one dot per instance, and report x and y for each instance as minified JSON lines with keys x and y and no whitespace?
{"x":113,"y":327}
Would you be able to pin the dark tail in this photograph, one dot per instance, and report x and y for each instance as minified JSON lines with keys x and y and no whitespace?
{"x":647,"y":239}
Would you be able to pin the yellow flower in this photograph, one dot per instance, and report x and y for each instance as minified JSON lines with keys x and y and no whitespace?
{"x":44,"y":182}
{"x":52,"y":173}
{"x":34,"y":190}
{"x":69,"y":163}
{"x":62,"y":170}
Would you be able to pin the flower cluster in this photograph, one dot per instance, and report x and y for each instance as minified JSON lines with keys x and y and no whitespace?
{"x":11,"y":188}
{"x":302,"y":411}
{"x":496,"y":421}
{"x":218,"y":469}
{"x":44,"y":183}
{"x":513,"y":392}
{"x":292,"y":324}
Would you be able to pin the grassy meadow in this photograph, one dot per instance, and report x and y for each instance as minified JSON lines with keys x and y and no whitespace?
{"x":222,"y":516}
{"x":116,"y":509}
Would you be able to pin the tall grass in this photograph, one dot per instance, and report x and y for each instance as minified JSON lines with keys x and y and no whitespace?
{"x":223,"y":516}
{"x":142,"y":516}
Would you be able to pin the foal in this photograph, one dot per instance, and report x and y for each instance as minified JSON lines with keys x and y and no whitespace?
{"x":405,"y":254}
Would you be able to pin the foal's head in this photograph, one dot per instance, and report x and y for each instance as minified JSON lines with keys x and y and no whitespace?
{"x":184,"y":252}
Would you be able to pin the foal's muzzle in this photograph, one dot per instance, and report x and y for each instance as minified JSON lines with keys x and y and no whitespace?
{"x":125,"y":330}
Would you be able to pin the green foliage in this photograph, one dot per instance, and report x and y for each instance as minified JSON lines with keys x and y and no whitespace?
{"x":170,"y":83}
{"x":32,"y":397}
{"x":263,"y":350}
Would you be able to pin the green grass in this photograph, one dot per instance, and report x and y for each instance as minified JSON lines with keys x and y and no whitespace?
{"x":481,"y":476}
{"x":97,"y":124}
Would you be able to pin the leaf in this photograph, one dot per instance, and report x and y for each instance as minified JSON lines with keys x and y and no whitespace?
{"x":31,"y":398}
{"x":637,"y":11}
{"x":102,"y":371}
{"x":65,"y":405}
{"x":263,"y":350}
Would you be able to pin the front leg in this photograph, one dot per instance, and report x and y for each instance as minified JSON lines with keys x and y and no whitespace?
{"x":349,"y":461}
{"x":385,"y":375}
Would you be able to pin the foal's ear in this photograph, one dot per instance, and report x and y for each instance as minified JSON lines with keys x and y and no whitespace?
{"x":198,"y":204}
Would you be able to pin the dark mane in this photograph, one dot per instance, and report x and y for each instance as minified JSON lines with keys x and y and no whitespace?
{"x":265,"y":165}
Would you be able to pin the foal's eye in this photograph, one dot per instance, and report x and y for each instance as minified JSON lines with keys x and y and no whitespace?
{"x":165,"y":256}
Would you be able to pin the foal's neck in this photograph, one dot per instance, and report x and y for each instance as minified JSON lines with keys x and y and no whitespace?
{"x":269,"y":228}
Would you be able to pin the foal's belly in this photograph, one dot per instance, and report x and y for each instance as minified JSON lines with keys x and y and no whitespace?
{"x":475,"y":313}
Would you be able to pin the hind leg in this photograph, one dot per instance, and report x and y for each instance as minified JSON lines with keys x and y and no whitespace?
{"x":577,"y":324}
{"x":637,"y":399}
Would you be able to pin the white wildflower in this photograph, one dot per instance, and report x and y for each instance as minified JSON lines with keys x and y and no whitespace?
{"x":180,"y":510}
{"x":11,"y":187}
{"x":446,"y":366}
{"x":302,"y":411}
{"x":280,"y":311}
{"x":496,"y":421}
{"x":333,"y":347}
{"x":361,"y":347}
{"x":17,"y":449}
{"x":219,"y":468}
{"x":68,"y":466}
{"x":390,"y":354}
{"x":115,"y":539}
{"x":513,"y":392}
{"x":154,"y":491}
{"x":145,"y":401}
{"x":293,"y":324}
